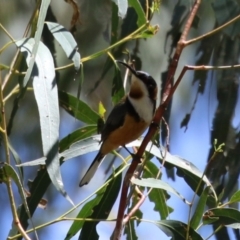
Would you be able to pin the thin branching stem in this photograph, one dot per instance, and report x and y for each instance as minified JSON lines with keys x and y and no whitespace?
{"x":7,"y":160}
{"x":213,"y":31}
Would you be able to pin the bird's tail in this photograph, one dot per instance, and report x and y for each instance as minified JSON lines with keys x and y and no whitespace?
{"x":92,"y":169}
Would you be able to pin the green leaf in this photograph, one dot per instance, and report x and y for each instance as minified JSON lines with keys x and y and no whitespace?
{"x":36,"y":162}
{"x":234,"y":225}
{"x":46,"y":95}
{"x":197,"y":216}
{"x":77,"y":108}
{"x":82,"y":147}
{"x":157,"y":196}
{"x":221,"y":216}
{"x":77,"y":135}
{"x":66,"y":41}
{"x":85,"y":212}
{"x":98,"y":208}
{"x":235,"y":197}
{"x":191,"y":174}
{"x":139,"y":10}
{"x":17,"y":160}
{"x":103,"y":209}
{"x":157,"y":183}
{"x":38,"y":34}
{"x":177,"y":230}
{"x":122,"y":7}
{"x":117,"y":88}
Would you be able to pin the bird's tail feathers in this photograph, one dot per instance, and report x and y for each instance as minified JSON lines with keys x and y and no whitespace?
{"x":91,"y":170}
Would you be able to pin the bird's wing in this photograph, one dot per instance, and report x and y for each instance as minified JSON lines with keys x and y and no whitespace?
{"x":115,"y":119}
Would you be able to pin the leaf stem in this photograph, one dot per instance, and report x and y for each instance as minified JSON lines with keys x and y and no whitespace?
{"x":7,"y":33}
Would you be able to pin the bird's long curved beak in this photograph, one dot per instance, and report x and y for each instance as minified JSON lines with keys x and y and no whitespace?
{"x":128,"y":66}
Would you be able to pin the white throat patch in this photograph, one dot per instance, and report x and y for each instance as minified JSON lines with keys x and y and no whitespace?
{"x":144,"y":108}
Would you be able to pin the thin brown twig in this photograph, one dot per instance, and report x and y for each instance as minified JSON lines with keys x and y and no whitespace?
{"x":167,"y":145}
{"x":136,"y":207}
{"x":213,"y":31}
{"x":207,"y":68}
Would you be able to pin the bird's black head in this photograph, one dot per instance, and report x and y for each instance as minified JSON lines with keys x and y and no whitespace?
{"x":148,"y":80}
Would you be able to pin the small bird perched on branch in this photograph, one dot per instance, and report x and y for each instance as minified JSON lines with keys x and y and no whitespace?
{"x":128,"y":119}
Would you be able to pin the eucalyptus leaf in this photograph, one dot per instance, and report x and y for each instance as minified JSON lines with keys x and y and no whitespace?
{"x":139,"y":10}
{"x":157,"y":183}
{"x":122,"y":7}
{"x":77,"y":108}
{"x":177,"y":230}
{"x":46,"y":95}
{"x":38,"y":34}
{"x":221,"y":216}
{"x":66,"y":41}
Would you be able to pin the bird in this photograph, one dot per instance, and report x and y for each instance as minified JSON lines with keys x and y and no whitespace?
{"x":128,"y":119}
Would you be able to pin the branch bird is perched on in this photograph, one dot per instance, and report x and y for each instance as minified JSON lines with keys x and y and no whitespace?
{"x":128,"y":119}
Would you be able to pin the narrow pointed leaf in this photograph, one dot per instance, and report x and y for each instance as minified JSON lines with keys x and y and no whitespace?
{"x":17,"y":161}
{"x":235,"y":197}
{"x":46,"y":94}
{"x":177,"y":230}
{"x":39,"y":161}
{"x":191,"y":174}
{"x":76,"y":149}
{"x":197,"y":216}
{"x":122,"y":7}
{"x":37,"y":38}
{"x":66,"y":41}
{"x":117,"y":89}
{"x":103,"y":209}
{"x":157,"y":183}
{"x":139,"y":10}
{"x":79,"y":134}
{"x":234,"y":225}
{"x":82,"y":147}
{"x":97,"y":208}
{"x":221,"y":216}
{"x":85,"y":212}
{"x":157,"y":196}
{"x":77,"y":108}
